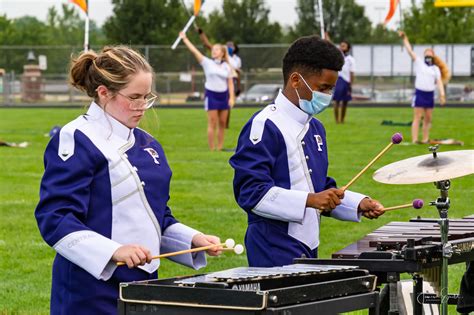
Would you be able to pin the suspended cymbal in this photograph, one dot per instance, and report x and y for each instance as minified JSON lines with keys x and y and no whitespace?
{"x":426,"y":168}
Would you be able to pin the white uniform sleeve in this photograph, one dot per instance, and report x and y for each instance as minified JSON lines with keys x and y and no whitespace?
{"x":232,"y":62}
{"x":238,"y":62}
{"x":418,"y":65}
{"x":352,"y":65}
{"x":90,"y":251}
{"x":347,"y":210}
{"x":276,"y":202}
{"x":179,"y":237}
{"x":206,"y":63}
{"x":231,"y":71}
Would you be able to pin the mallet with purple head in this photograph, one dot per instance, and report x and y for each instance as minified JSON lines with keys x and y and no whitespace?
{"x":416,"y":204}
{"x":396,"y":139}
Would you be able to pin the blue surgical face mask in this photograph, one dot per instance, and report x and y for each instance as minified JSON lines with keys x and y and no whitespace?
{"x":319,"y":101}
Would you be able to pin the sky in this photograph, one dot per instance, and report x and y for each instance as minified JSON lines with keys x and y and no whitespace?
{"x":282,"y":11}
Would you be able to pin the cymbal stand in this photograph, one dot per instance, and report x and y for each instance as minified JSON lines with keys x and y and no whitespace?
{"x":442,"y":204}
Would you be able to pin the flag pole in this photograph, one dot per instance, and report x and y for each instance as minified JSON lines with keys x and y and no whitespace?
{"x":197,"y":7}
{"x":401,"y":18}
{"x":84,"y":5}
{"x":401,"y":15}
{"x":321,"y":19}
{"x":185,"y":29}
{"x":86,"y":33}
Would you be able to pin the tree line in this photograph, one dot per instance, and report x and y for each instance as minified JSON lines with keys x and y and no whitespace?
{"x":151,"y":22}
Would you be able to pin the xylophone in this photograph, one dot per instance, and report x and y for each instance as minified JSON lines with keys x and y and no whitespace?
{"x":292,"y":289}
{"x":408,"y":247}
{"x":406,"y":236}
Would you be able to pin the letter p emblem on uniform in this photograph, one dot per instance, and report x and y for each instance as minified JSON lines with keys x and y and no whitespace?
{"x":153,"y":154}
{"x":319,"y":142}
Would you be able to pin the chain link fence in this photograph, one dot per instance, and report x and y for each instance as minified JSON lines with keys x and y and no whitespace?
{"x":384,"y":73}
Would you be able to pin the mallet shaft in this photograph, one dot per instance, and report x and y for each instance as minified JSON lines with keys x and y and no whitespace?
{"x":344,"y":188}
{"x":181,"y":252}
{"x":408,"y":205}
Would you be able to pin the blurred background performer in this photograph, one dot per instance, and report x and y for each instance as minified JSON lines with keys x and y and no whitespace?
{"x":234,"y":61}
{"x":95,"y":209}
{"x":236,"y":64}
{"x":343,"y":91}
{"x":431,"y":72}
{"x":219,"y":90}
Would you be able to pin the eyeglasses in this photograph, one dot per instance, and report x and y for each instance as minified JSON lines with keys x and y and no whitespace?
{"x":141,"y":103}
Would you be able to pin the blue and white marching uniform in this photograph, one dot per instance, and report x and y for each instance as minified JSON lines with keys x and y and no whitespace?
{"x":281,"y":156}
{"x":342,"y":91}
{"x":425,"y":83}
{"x":105,"y":186}
{"x":216,"y":86}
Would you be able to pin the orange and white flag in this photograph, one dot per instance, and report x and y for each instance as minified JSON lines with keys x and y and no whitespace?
{"x":391,"y":11}
{"x":197,"y":6}
{"x":80,"y":3}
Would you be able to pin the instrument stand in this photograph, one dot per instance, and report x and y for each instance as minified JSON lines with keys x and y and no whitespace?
{"x":442,"y":204}
{"x":389,"y":295}
{"x":417,"y":291}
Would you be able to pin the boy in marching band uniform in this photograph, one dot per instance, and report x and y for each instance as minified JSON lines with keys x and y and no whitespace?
{"x":281,"y":162}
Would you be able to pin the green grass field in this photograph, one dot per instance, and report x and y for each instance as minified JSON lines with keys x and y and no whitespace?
{"x":201,"y":188}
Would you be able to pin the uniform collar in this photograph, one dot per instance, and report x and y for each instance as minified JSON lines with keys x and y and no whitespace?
{"x":293,"y":111}
{"x":117,"y":128}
